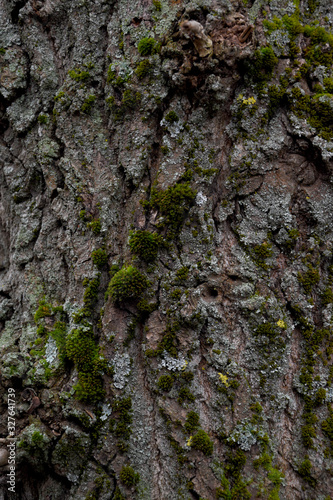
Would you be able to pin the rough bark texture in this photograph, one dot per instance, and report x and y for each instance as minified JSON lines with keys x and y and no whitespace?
{"x":166,"y":258}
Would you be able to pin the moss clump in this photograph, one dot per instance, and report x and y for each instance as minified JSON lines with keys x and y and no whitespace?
{"x":238,"y":491}
{"x":145,"y":244}
{"x":88,"y":103}
{"x":309,"y":278}
{"x":117,"y":495}
{"x":261,"y":253}
{"x":81,"y":349}
{"x":130,"y":99}
{"x":165,"y":383}
{"x":89,"y":388}
{"x":312,"y":4}
{"x":43,"y":310}
{"x":147,"y":46}
{"x":273,"y":25}
{"x":185,"y":395}
{"x":316,"y":109}
{"x":173,"y":204}
{"x":327,"y":296}
{"x":90,"y":297}
{"x":95,"y":225}
{"x":293,"y":235}
{"x":128,"y":476}
{"x":42,"y":118}
{"x":328,"y":82}
{"x":143,"y":69}
{"x":305,"y":471}
{"x":34,"y":445}
{"x":327,"y":427}
{"x":172,"y":117}
{"x":201,"y":441}
{"x":176,"y":294}
{"x":308,"y":432}
{"x":111,"y":76}
{"x":157,"y":4}
{"x":182,"y":273}
{"x":192,"y":422}
{"x":264,"y":62}
{"x":78,"y":76}
{"x":120,"y":426}
{"x":127,"y":283}
{"x":99,"y":258}
{"x":267,"y":329}
{"x":58,"y":333}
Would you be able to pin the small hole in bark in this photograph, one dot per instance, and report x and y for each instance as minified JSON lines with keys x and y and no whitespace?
{"x":136,"y":21}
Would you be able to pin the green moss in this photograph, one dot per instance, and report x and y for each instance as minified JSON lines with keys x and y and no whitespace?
{"x":185,"y":395}
{"x":293,"y":237}
{"x":145,"y":244}
{"x":147,"y":46}
{"x":187,"y":376}
{"x":90,"y":296}
{"x":327,"y":296}
{"x":267,"y":329}
{"x":171,"y":117}
{"x":99,"y":258}
{"x":173,"y":204}
{"x":165,"y":383}
{"x":176,"y":294}
{"x":146,"y":308}
{"x":264,"y":62}
{"x":238,"y":492}
{"x":78,"y":76}
{"x":89,"y":388}
{"x":95,"y":225}
{"x":272,"y":25}
{"x":308,"y":432}
{"x":305,"y":471}
{"x":261,"y":253}
{"x":128,"y":476}
{"x":312,"y":5}
{"x":117,"y":495}
{"x":111,"y":75}
{"x":127,"y":283}
{"x":44,"y":310}
{"x":328,"y":82}
{"x":33,"y":445}
{"x":42,"y":118}
{"x":58,"y":333}
{"x":309,"y":279}
{"x":201,"y":441}
{"x":157,"y":4}
{"x":88,"y":103}
{"x":327,"y":427}
{"x":120,"y":426}
{"x":316,"y":109}
{"x":182,"y":274}
{"x":192,"y":422}
{"x":130,"y":99}
{"x":81,"y":349}
{"x":143,"y":69}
